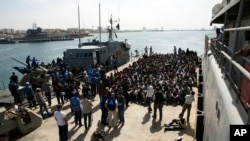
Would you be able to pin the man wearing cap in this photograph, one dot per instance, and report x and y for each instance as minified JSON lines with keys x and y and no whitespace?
{"x":29,"y":93}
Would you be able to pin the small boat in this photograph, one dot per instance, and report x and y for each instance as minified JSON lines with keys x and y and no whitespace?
{"x":97,"y":52}
{"x":224,"y":92}
{"x":6,"y":41}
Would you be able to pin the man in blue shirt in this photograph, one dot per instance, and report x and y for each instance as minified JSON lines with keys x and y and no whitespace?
{"x":76,"y":106}
{"x":111,"y":105}
{"x":29,"y":93}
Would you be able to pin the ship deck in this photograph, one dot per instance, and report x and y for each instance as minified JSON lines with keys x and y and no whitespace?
{"x":139,"y":125}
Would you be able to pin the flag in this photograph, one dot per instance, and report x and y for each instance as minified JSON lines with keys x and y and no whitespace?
{"x":118,"y":26}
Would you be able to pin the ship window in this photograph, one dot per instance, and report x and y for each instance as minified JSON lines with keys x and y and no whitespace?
{"x":85,"y":54}
{"x":90,"y":54}
{"x":77,"y":55}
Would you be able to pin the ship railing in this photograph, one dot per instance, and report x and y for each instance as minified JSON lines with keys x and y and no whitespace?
{"x":232,"y":69}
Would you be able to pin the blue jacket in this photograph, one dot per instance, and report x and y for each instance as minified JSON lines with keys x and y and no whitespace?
{"x":75,"y":103}
{"x":28,"y":91}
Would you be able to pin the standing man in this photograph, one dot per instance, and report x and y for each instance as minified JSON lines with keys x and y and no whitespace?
{"x":62,"y":123}
{"x":189,"y":98}
{"x":93,"y":83}
{"x":29,"y":93}
{"x":13,"y":87}
{"x":46,"y":87}
{"x":76,"y":106}
{"x":115,"y":65}
{"x":158,"y":102}
{"x":28,"y":61}
{"x":58,"y":88}
{"x":150,"y":92}
{"x":121,"y":106}
{"x":104,"y":98}
{"x":87,"y":111}
{"x":14,"y":78}
{"x":111,"y":105}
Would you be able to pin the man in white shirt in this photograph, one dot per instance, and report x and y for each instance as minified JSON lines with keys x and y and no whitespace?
{"x":62,"y":123}
{"x":189,"y":98}
{"x":150,"y":92}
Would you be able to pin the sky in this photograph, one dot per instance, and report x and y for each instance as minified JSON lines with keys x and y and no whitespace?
{"x":131,"y":14}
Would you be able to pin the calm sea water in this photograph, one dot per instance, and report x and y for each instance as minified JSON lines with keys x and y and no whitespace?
{"x":161,"y":42}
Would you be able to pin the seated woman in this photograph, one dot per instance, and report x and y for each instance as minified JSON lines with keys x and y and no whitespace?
{"x":176,"y":124}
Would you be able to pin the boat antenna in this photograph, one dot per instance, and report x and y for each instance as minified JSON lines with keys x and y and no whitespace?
{"x":100,"y":29}
{"x":111,"y":29}
{"x":79,"y":26}
{"x":118,"y":12}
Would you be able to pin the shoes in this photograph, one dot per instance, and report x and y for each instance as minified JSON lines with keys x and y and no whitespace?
{"x":166,"y":125}
{"x":165,"y":130}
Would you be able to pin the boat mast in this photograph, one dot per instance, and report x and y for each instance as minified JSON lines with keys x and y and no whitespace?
{"x":79,"y":26}
{"x":111,"y":29}
{"x":100,"y":30}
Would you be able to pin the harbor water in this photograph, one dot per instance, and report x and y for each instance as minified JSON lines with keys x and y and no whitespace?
{"x":161,"y":42}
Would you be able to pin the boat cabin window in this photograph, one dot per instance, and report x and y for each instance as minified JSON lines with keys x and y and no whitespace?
{"x":85,"y":54}
{"x":90,"y":54}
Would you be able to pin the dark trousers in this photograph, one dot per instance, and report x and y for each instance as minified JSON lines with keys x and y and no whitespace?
{"x":93,"y":90}
{"x":188,"y":108}
{"x":63,"y":132}
{"x":104,"y":116}
{"x":148,"y":101}
{"x":48,"y":96}
{"x":17,"y":99}
{"x":78,"y":117}
{"x":59,"y":98}
{"x":127,"y":97}
{"x":158,"y":106}
{"x":87,"y":120}
{"x":121,"y":113}
{"x":31,"y":101}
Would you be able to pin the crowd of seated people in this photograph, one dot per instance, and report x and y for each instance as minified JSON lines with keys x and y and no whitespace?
{"x":174,"y":73}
